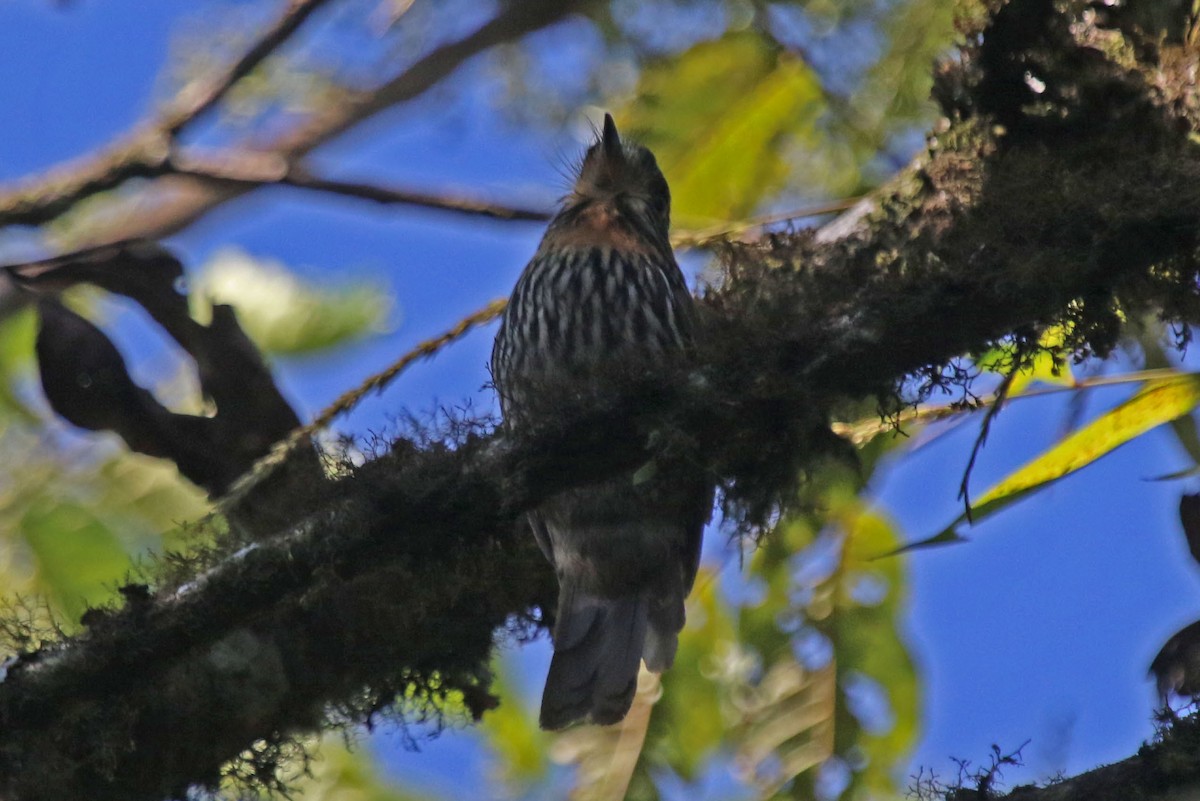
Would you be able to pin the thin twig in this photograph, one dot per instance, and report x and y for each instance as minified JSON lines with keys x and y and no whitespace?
{"x":142,"y":152}
{"x":964,"y":492}
{"x":863,"y":431}
{"x":462,"y":205}
{"x":254,"y":169}
{"x":701,"y":237}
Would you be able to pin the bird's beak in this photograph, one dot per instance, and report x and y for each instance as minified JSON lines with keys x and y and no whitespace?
{"x":610,"y":139}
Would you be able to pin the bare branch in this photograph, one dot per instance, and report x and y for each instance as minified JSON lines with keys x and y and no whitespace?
{"x":253,"y":169}
{"x":179,"y":201}
{"x":142,"y":152}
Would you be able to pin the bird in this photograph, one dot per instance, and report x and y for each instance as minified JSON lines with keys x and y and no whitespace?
{"x":603,"y":290}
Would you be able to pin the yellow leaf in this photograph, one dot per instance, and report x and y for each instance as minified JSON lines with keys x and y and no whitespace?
{"x":1157,"y":402}
{"x":1042,"y":368}
{"x":1160,"y":400}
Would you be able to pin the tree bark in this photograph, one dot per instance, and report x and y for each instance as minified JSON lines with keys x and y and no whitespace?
{"x":1062,"y":186}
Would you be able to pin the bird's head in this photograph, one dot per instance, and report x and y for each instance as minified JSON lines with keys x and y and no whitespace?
{"x":625,"y":173}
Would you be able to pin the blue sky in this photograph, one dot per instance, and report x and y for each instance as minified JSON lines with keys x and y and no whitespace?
{"x":1040,"y":628}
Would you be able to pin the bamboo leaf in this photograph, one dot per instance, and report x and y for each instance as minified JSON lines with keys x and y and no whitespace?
{"x":1159,"y":401}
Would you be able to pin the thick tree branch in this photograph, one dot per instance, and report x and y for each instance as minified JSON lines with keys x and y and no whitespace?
{"x":1077,"y":203}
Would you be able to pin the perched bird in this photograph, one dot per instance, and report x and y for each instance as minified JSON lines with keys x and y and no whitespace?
{"x":604,"y":290}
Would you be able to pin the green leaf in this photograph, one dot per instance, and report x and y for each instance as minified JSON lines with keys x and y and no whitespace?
{"x":871,"y":601}
{"x":147,"y":493}
{"x":281,"y":313}
{"x":717,"y":117}
{"x":16,"y":357}
{"x":512,"y":733}
{"x":79,"y":558}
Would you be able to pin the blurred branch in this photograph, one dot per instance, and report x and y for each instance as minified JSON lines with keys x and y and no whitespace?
{"x":142,"y":152}
{"x":606,"y":756}
{"x":253,"y":169}
{"x":146,"y":151}
{"x":199,"y":96}
{"x":699,"y":238}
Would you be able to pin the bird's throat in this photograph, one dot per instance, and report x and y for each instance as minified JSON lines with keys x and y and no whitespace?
{"x":598,"y":224}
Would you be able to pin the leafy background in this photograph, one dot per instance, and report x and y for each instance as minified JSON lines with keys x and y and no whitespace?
{"x":808,"y":667}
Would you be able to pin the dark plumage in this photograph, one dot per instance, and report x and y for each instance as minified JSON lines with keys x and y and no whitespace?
{"x":604,"y":288}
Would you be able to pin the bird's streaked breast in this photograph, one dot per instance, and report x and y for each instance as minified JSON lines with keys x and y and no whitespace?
{"x":577,"y":305}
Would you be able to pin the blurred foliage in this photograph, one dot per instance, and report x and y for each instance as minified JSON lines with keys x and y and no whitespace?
{"x":73,"y":517}
{"x":281,"y":313}
{"x":77,"y":515}
{"x":511,"y":733}
{"x":335,"y":771}
{"x":740,"y":99}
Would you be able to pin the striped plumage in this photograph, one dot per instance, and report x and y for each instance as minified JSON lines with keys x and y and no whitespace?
{"x":579,"y":304}
{"x":604,"y":288}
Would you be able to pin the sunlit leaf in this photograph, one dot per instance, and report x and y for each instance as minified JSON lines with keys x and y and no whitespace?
{"x":281,"y":313}
{"x":512,"y":733}
{"x":717,"y":117}
{"x":1158,"y":401}
{"x":1047,"y":366}
{"x":1183,"y":427}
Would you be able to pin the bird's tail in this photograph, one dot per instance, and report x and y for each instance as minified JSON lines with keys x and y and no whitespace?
{"x":597,"y":650}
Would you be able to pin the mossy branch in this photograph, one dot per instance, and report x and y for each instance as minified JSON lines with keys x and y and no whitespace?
{"x":1071,"y":199}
